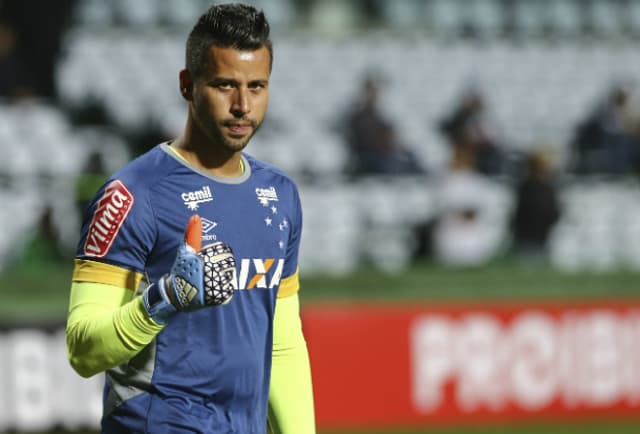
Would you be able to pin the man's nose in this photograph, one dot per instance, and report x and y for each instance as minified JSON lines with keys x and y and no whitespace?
{"x":240,"y":105}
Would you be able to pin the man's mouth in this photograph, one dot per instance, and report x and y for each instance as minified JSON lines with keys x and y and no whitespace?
{"x":239,"y":128}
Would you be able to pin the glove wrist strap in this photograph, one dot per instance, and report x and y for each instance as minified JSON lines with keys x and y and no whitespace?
{"x":156,"y":302}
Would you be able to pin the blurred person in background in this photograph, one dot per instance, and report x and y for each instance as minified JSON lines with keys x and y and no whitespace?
{"x":188,"y":342}
{"x":15,"y":80}
{"x":37,"y":27}
{"x":43,"y":247}
{"x":373,"y":142}
{"x":89,"y":181}
{"x":468,"y":230}
{"x":537,"y":208}
{"x":608,"y":140}
{"x":467,"y":131}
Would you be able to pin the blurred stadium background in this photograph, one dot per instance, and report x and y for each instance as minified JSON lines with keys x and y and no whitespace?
{"x":86,"y":85}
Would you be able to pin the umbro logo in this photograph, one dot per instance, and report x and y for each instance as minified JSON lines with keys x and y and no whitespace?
{"x":208,"y":225}
{"x":193,"y":199}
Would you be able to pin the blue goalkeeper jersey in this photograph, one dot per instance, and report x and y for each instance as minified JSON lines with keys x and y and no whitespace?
{"x":207,"y":371}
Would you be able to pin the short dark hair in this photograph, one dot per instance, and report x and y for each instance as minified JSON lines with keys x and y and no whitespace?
{"x":231,"y":25}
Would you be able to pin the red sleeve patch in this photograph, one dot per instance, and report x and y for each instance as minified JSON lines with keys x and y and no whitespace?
{"x":111,"y":211}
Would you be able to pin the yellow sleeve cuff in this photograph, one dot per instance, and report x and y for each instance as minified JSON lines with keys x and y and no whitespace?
{"x":100,"y":272}
{"x":289,"y":285}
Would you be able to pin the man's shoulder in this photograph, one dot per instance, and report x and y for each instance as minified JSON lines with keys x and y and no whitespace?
{"x":145,"y":171}
{"x":265,"y":170}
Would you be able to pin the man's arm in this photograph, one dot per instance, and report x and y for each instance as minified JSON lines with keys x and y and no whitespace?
{"x":105,"y":327}
{"x":291,"y":408}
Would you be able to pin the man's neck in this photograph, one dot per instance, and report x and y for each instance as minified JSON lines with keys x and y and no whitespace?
{"x":223,"y":164}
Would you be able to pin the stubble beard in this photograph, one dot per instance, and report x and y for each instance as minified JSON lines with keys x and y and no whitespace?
{"x":218,"y":138}
{"x":234,"y":145}
{"x":229,"y":144}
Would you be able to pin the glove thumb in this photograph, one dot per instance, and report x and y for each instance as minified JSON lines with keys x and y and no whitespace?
{"x":193,"y":234}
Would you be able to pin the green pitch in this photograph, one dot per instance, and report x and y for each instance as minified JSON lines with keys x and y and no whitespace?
{"x":506,"y":279}
{"x":39,"y":293}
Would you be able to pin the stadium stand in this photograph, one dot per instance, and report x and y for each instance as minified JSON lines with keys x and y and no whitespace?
{"x":541,"y":65}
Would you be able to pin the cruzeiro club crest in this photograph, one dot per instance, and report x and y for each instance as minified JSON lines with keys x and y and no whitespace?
{"x":266,"y":195}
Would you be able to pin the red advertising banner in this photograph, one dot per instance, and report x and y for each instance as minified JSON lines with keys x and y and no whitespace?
{"x":388,"y":365}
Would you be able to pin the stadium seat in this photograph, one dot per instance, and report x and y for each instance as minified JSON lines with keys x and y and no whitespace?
{"x":179,"y":13}
{"x":446,"y":17}
{"x":486,"y":17}
{"x":93,"y":13}
{"x":527,"y":18}
{"x":280,"y":12}
{"x":604,"y":17}
{"x":563,"y":18}
{"x":332,"y":229}
{"x":402,"y":13}
{"x":632,"y":18}
{"x":333,"y":16}
{"x":136,"y":14}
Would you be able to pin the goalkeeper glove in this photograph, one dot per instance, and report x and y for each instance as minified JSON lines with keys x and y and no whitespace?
{"x":198,"y":278}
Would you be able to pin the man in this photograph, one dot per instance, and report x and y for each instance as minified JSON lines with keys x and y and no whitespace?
{"x":372,"y":140}
{"x":214,"y":343}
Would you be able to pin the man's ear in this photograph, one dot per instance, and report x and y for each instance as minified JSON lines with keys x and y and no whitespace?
{"x":186,"y":84}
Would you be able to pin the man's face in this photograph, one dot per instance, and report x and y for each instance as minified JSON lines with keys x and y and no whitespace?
{"x":230,"y":99}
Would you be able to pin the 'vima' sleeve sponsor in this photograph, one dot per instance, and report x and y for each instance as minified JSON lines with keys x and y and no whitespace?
{"x":118,"y":228}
